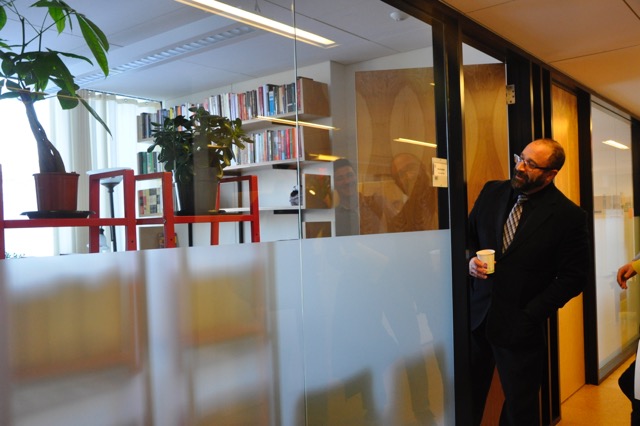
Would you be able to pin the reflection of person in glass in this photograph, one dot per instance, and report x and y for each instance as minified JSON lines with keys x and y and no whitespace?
{"x":418,"y":212}
{"x":355,"y":213}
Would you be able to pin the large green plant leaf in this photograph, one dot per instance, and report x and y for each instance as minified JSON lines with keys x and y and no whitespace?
{"x":3,"y":17}
{"x":97,"y":42}
{"x":94,"y":114}
{"x":28,"y":67}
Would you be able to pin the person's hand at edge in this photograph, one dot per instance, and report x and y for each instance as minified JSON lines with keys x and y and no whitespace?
{"x":477,"y":268}
{"x":625,"y":273}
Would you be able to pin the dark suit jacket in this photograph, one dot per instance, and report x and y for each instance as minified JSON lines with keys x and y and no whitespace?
{"x":544,"y":267}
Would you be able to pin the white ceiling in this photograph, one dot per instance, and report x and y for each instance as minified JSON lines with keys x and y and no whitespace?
{"x":597,"y":42}
{"x":136,"y":29}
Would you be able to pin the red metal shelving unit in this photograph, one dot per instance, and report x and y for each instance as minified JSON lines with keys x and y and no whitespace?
{"x":130,"y":222}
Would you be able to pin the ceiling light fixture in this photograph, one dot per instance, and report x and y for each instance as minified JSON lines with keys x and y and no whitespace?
{"x":224,"y":35}
{"x":259,"y":21}
{"x":615,"y":144}
{"x":404,"y":140}
{"x":295,"y":123}
{"x":398,"y":16}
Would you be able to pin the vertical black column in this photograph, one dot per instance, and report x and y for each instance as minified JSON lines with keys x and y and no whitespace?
{"x":542,"y":128}
{"x":448,"y":67}
{"x":520,"y":113}
{"x":590,"y":314}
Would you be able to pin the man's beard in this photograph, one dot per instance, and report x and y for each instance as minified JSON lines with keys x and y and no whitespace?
{"x":526,"y":184}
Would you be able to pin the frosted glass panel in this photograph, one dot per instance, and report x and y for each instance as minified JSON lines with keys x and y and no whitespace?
{"x":614,"y":232}
{"x":377,"y":339}
{"x":281,"y":333}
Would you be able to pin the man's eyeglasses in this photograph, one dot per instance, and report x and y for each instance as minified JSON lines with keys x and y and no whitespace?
{"x":528,"y":163}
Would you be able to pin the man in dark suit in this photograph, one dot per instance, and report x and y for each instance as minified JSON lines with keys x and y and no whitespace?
{"x":538,"y":271}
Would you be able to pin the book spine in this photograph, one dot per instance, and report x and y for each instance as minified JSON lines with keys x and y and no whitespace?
{"x":142,"y":163}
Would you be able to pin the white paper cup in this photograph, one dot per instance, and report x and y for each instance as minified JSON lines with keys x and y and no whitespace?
{"x":487,"y":256}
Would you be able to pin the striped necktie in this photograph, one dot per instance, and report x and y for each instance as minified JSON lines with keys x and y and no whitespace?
{"x":512,"y":222}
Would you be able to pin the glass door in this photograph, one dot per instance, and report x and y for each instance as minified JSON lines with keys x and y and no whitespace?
{"x":615,"y":230}
{"x":486,"y":149}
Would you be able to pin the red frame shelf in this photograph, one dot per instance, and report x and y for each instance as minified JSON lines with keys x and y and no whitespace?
{"x":168,"y":218}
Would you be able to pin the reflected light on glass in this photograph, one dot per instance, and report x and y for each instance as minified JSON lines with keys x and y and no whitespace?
{"x":323,"y":157}
{"x":615,"y":144}
{"x":294,"y":123}
{"x":415,"y":142}
{"x":259,"y":21}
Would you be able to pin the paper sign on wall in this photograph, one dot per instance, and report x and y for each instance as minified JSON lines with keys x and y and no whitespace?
{"x":439,"y":172}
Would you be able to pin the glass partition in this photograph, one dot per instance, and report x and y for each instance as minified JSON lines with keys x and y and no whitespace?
{"x":328,"y":331}
{"x":615,"y":235}
{"x":366,"y":99}
{"x":374,"y":349}
{"x":298,"y":329}
{"x":486,"y":149}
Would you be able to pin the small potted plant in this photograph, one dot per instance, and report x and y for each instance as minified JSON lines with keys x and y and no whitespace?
{"x":197,"y":150}
{"x":28,"y":67}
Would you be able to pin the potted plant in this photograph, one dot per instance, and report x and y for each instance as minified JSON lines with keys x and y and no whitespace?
{"x":28,"y":67}
{"x":197,"y":150}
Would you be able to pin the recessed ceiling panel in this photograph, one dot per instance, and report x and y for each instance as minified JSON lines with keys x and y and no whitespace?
{"x":553,"y":30}
{"x":613,"y":74}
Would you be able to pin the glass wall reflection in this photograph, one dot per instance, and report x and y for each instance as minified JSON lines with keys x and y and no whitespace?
{"x":615,"y":234}
{"x":297,"y":329}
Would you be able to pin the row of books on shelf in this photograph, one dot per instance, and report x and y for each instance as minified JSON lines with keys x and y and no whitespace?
{"x":148,"y":162}
{"x":269,"y":145}
{"x":266,"y":100}
{"x":146,"y":118}
{"x":149,"y":202}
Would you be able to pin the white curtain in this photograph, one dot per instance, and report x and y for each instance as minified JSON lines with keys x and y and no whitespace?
{"x":19,"y":159}
{"x":85,"y":145}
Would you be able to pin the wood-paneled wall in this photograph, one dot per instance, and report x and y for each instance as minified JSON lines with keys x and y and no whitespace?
{"x":390,"y":104}
{"x":570,"y":323}
{"x":486,"y":141}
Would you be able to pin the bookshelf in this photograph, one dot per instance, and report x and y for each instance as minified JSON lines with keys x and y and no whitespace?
{"x":280,"y":151}
{"x":147,"y":162}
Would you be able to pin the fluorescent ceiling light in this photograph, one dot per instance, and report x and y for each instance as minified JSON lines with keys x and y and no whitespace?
{"x":259,"y":21}
{"x":615,"y":144}
{"x":295,"y":123}
{"x":404,"y":140}
{"x":227,"y":35}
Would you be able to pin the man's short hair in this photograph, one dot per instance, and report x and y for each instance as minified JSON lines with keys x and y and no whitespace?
{"x":557,"y":157}
{"x":341,"y":162}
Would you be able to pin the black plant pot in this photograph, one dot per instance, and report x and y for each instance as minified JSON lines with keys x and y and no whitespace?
{"x":198,"y":197}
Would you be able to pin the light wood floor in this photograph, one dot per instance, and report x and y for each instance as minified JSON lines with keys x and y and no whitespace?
{"x":602,"y":405}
